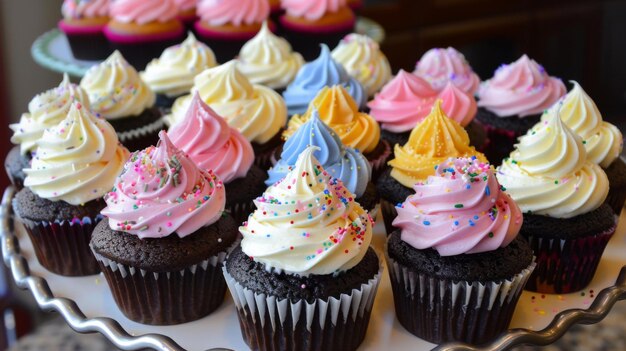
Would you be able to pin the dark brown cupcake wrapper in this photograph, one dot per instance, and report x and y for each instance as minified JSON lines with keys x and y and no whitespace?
{"x":389,"y":212}
{"x":442,"y":310}
{"x":241,"y":210}
{"x":145,"y":130}
{"x":268,"y":323}
{"x":565,"y":266}
{"x":62,"y":247}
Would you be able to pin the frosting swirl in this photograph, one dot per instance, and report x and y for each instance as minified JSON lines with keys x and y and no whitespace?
{"x":186,"y":5}
{"x":346,"y":164}
{"x":172,"y":74}
{"x":269,"y":60}
{"x":438,"y":66}
{"x":307,"y":224}
{"x":457,"y":104}
{"x":459,"y":210}
{"x":521,"y":88}
{"x":221,"y":12}
{"x":339,"y":111}
{"x":46,"y":110}
{"x":211,"y":143}
{"x":115,"y":89}
{"x":143,"y":11}
{"x":78,"y":9}
{"x":312,"y":10}
{"x":161,"y":191}
{"x":319,"y":73}
{"x":77,"y":160}
{"x":431,"y":142}
{"x":257,"y":112}
{"x":548,"y":173}
{"x":362,"y":58}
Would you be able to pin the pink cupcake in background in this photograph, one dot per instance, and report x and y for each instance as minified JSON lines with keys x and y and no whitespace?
{"x":83,"y":24}
{"x":187,"y":12}
{"x":438,"y":66}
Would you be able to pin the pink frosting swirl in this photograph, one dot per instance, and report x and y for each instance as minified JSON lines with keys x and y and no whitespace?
{"x":521,"y":88}
{"x":457,"y":104}
{"x":402,"y":103}
{"x":212,"y":143}
{"x":161,"y":191}
{"x":185,"y":5}
{"x":439,"y":66}
{"x":143,"y":11}
{"x":76,"y":9}
{"x":459,"y":210}
{"x":221,"y":12}
{"x":312,"y":9}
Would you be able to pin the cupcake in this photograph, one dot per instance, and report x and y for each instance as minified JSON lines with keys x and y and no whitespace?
{"x":309,"y":23}
{"x":341,"y":162}
{"x":356,"y":129}
{"x":171,"y":76}
{"x":512,"y":101}
{"x":438,"y":66}
{"x":227,"y":25}
{"x":432,"y":141}
{"x":362,"y":58}
{"x":117,"y":93}
{"x":212,"y":144}
{"x":304,"y":277}
{"x":315,"y":75}
{"x":456,"y":262}
{"x":187,"y":12}
{"x":45,"y":110}
{"x":268,"y":60}
{"x":75,"y":165}
{"x":83,"y":24}
{"x":602,"y":140}
{"x":164,"y":238}
{"x":258,"y":112}
{"x":142,"y":29}
{"x":355,"y":5}
{"x":561,"y":193}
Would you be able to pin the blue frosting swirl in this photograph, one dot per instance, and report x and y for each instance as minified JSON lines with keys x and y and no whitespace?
{"x":315,"y":75}
{"x":344,"y":163}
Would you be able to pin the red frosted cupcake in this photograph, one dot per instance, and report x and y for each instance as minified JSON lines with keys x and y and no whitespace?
{"x":83,"y":24}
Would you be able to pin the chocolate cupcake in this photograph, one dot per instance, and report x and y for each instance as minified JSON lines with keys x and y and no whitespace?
{"x":164,"y":240}
{"x":83,"y":24}
{"x":75,"y":165}
{"x":304,"y":277}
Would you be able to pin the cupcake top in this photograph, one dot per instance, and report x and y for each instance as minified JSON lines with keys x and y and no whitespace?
{"x":161,"y":191}
{"x":256,"y":111}
{"x":344,"y":163}
{"x":521,"y":88}
{"x":79,"y":9}
{"x":186,"y":5}
{"x":143,"y":11}
{"x":362,"y":58}
{"x":319,"y":73}
{"x":339,"y":111}
{"x":46,"y":110}
{"x":115,"y":89}
{"x":242,"y":12}
{"x":269,"y":60}
{"x":77,"y":160}
{"x":312,"y":10}
{"x":548,"y":173}
{"x":308,"y":223}
{"x":431,"y":142}
{"x":457,"y":104}
{"x":461,"y":209}
{"x":602,"y":140}
{"x":438,"y":66}
{"x":172,"y":74}
{"x":211,"y":143}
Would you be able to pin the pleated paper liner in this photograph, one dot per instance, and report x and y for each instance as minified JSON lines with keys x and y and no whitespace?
{"x":141,"y":138}
{"x":268,"y":323}
{"x":241,"y":210}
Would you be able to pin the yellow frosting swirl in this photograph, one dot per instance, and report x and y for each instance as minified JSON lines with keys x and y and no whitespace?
{"x":256,"y":111}
{"x":78,"y":160}
{"x":172,"y":74}
{"x":340,"y":112}
{"x":115,"y":89}
{"x":431,"y":142}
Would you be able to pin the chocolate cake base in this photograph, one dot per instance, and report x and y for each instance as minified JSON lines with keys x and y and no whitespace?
{"x":241,"y":192}
{"x":616,"y":173}
{"x":14,"y":164}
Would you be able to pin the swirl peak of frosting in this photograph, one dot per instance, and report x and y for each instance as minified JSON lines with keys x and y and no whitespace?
{"x":77,"y":160}
{"x":521,"y":88}
{"x":308,"y":223}
{"x":458,"y":104}
{"x":78,"y":9}
{"x":242,"y":12}
{"x":312,"y":9}
{"x":161,"y":191}
{"x":438,"y":66}
{"x":459,"y":210}
{"x":211,"y":143}
{"x":431,"y":142}
{"x":317,"y":74}
{"x":143,"y":11}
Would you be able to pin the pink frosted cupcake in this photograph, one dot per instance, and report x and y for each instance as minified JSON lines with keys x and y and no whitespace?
{"x":83,"y":24}
{"x":439,"y":66}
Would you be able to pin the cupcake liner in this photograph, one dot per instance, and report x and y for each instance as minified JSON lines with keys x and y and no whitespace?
{"x":139,"y":51}
{"x":442,"y":310}
{"x":62,"y":247}
{"x":499,"y":143}
{"x":379,"y":163}
{"x":141,"y":138}
{"x":241,"y":210}
{"x":94,"y":46}
{"x":166,"y":298}
{"x":268,"y":323}
{"x":565,"y":266}
{"x":389,"y":212}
